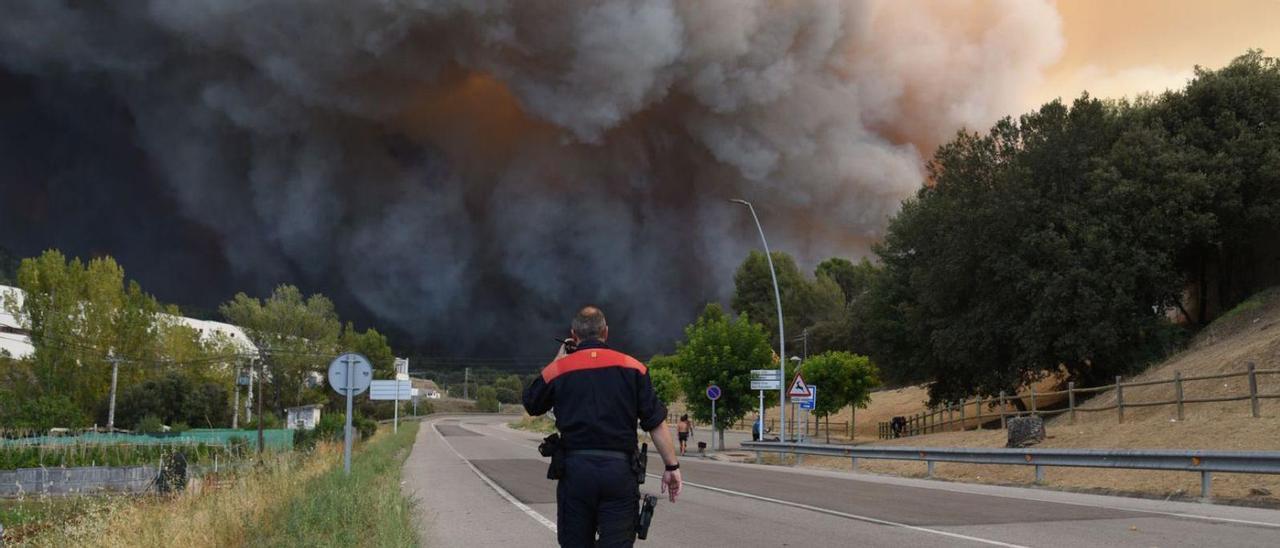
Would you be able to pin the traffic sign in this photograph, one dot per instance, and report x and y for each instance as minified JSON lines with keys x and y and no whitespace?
{"x":390,"y":390}
{"x":713,"y":392}
{"x":766,"y":379}
{"x":798,"y":388}
{"x":361,"y":373}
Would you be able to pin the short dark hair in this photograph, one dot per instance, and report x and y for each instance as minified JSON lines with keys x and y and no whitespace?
{"x":589,"y":324}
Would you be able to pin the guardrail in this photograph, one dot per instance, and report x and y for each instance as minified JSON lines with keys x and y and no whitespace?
{"x":988,"y":409}
{"x":1203,"y":462}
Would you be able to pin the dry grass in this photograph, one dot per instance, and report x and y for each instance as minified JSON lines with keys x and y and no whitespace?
{"x":1248,"y":335}
{"x":218,"y":518}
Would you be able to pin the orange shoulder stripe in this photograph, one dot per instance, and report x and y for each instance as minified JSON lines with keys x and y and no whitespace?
{"x":590,"y":358}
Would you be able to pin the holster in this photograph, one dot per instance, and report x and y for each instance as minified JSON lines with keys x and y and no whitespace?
{"x":640,"y":462}
{"x":552,"y":447}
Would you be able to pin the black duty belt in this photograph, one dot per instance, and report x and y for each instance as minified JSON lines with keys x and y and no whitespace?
{"x":600,"y":453}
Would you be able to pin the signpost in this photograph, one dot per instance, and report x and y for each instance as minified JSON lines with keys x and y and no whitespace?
{"x":808,"y":404}
{"x":800,"y":392}
{"x":396,"y":390}
{"x":713,"y":394}
{"x":349,"y":374}
{"x":765,"y":379}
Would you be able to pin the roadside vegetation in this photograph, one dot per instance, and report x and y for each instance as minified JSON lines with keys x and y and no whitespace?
{"x":541,"y":424}
{"x":292,"y":499}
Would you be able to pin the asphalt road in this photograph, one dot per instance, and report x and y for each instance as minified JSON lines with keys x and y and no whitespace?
{"x":480,"y":483}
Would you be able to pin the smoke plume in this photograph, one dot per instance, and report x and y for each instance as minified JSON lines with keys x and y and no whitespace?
{"x":468,"y":168}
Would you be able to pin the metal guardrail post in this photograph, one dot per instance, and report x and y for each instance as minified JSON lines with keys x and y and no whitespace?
{"x":1177,"y":392}
{"x":855,"y":463}
{"x":930,"y":463}
{"x":1206,"y":480}
{"x":1119,"y":399}
{"x":1071,"y":400}
{"x":1253,"y":390}
{"x":1039,"y":475}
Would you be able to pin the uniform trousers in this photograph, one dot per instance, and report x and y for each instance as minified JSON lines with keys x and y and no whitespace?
{"x":598,"y":494}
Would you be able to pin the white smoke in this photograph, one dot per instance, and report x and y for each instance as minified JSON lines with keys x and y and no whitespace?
{"x":568,"y":151}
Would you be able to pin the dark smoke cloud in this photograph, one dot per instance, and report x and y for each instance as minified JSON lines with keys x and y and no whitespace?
{"x":467,"y":168}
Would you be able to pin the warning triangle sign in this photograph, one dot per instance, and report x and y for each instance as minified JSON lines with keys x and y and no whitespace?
{"x":799,"y":389}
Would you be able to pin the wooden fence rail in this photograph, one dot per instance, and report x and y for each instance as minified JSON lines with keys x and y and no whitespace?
{"x":989,"y":409}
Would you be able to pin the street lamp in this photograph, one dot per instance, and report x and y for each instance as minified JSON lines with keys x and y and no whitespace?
{"x":782,"y":339}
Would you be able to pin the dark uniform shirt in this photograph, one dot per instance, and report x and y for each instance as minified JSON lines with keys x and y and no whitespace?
{"x":598,"y":395}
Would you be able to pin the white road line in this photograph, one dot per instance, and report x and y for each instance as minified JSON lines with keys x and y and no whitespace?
{"x":503,"y":492}
{"x":847,"y":515}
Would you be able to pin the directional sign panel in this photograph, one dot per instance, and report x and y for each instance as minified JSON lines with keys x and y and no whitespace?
{"x":766,"y":379}
{"x":766,"y":385}
{"x":390,"y":390}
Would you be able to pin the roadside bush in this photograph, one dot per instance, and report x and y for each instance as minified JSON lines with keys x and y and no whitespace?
{"x":269,"y":421}
{"x":149,"y":424}
{"x":365,"y":426}
{"x":41,"y":413}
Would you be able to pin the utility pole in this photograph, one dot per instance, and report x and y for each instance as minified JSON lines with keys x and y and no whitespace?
{"x":261,"y":394}
{"x":466,"y":382}
{"x":235,"y":406}
{"x":111,"y":406}
{"x":248,"y":401}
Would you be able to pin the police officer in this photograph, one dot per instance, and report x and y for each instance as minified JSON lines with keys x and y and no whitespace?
{"x":599,"y":395}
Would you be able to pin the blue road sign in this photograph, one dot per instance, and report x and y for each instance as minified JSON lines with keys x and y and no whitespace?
{"x":807,"y":405}
{"x":713,"y":392}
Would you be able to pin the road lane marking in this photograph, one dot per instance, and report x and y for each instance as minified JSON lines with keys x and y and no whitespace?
{"x":502,"y":492}
{"x":847,"y":515}
{"x":1028,"y":497}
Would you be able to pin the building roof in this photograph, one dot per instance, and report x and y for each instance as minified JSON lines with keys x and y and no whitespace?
{"x":18,"y":344}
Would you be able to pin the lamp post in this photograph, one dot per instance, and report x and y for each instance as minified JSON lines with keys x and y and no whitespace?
{"x":782,"y":339}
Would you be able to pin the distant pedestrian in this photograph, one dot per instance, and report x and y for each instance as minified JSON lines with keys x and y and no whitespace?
{"x":684,"y":429}
{"x":757,"y":429}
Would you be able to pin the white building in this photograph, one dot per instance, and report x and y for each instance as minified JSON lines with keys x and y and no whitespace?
{"x":304,"y":417}
{"x":16,"y":340}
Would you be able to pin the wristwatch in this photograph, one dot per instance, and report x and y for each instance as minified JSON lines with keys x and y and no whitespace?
{"x":673,"y":467}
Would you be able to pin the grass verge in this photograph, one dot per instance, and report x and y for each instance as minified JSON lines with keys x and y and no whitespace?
{"x":294,"y":499}
{"x":363,"y":509}
{"x":540,"y":424}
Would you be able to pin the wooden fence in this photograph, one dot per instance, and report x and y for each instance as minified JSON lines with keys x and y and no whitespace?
{"x":945,"y":419}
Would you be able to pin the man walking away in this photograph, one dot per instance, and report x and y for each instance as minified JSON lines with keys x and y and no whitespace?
{"x":599,"y":395}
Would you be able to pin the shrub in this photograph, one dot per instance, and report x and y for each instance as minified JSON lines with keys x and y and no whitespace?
{"x":149,"y":424}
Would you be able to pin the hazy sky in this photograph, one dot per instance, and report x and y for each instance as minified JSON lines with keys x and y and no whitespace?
{"x":1125,"y":47}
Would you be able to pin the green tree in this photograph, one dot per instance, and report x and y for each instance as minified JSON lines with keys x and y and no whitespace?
{"x":80,"y":316}
{"x":508,"y":388}
{"x":842,"y":379}
{"x":853,"y":279}
{"x":1048,"y":242}
{"x":721,"y":350}
{"x":753,"y":293}
{"x":297,"y":336}
{"x":664,"y":372}
{"x":487,"y":399}
{"x":372,"y":345}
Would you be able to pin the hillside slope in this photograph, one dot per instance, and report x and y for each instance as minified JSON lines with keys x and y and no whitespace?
{"x":1250,"y":333}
